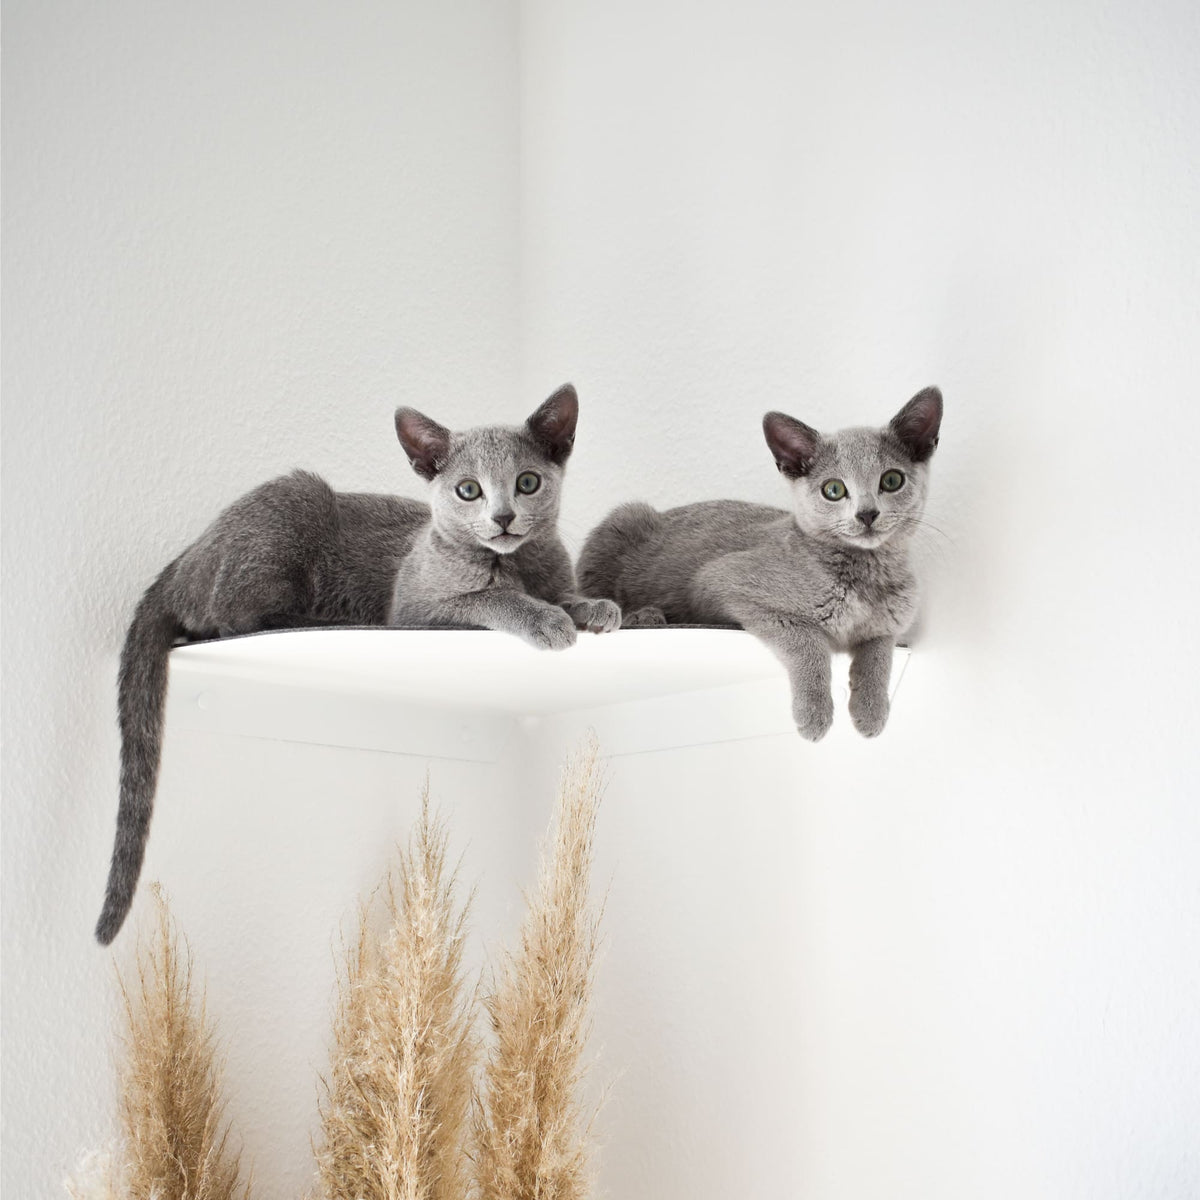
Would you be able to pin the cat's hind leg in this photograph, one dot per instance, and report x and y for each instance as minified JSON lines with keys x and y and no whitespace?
{"x":257,"y":564}
{"x":235,"y":586}
{"x":252,"y":591}
{"x":648,"y":617}
{"x":607,"y":549}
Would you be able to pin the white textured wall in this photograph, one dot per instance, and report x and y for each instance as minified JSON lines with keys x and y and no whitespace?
{"x":236,"y":235}
{"x":960,"y":961}
{"x":963,"y":960}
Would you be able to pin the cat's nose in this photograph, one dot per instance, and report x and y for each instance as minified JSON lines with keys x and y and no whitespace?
{"x":504,"y":519}
{"x":867,"y":516}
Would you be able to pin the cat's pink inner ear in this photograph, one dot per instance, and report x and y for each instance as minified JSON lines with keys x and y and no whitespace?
{"x":793,"y":443}
{"x":553,"y":425}
{"x":918,"y":423}
{"x":426,"y":443}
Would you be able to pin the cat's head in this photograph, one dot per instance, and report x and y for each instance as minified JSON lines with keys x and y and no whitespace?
{"x":497,"y":486}
{"x":859,"y":487}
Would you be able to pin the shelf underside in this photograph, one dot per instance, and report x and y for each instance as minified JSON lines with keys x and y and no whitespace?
{"x":458,"y":692}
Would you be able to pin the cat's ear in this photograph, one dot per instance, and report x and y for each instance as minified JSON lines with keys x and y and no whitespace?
{"x":918,"y":422}
{"x":793,"y":443}
{"x":426,"y":443}
{"x":553,"y":425}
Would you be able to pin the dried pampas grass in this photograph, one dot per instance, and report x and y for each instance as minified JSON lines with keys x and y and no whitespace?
{"x":531,"y":1138}
{"x":176,"y":1139}
{"x":402,"y":1116}
{"x":397,"y":1102}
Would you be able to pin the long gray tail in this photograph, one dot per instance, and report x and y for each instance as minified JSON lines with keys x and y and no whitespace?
{"x":141,"y":701}
{"x":608,"y":546}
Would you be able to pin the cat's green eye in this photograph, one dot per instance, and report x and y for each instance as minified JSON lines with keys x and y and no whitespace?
{"x":833,"y":489}
{"x":468,"y":489}
{"x":528,"y":483}
{"x":892,"y":481}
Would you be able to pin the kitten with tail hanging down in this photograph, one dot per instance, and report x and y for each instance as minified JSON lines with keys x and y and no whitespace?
{"x":483,"y":552}
{"x":832,"y":574}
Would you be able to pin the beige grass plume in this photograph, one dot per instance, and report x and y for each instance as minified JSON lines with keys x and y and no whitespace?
{"x":531,"y":1137}
{"x":397,"y":1101}
{"x":171,"y":1109}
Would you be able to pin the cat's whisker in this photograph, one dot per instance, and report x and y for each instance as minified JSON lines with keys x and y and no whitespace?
{"x":924,"y":523}
{"x":572,"y":542}
{"x":573,"y":527}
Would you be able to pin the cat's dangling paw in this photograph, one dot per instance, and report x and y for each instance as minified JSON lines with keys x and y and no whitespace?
{"x":813,"y":716}
{"x":552,"y":630}
{"x":596,"y":616}
{"x":644,"y":618}
{"x":869,"y":712}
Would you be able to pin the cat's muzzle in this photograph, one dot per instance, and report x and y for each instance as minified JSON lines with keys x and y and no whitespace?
{"x":506,"y":543}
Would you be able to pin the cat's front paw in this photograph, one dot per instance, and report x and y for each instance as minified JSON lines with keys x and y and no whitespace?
{"x":552,"y":630}
{"x":644,"y":618}
{"x":813,"y":716}
{"x":597,"y":616}
{"x":869,"y":711}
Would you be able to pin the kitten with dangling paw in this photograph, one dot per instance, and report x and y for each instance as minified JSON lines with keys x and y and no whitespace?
{"x":831,"y":574}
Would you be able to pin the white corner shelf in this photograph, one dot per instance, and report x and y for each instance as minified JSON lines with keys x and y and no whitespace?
{"x":465,"y":693}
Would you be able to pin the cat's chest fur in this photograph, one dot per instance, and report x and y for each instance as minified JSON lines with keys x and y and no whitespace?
{"x":435,"y":572}
{"x":856,"y":596}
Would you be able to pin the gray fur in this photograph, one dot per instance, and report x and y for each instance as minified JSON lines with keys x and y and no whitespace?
{"x":293,"y":553}
{"x":828,"y":576}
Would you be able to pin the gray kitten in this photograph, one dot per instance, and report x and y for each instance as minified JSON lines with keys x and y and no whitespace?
{"x":293,"y":553}
{"x":833,"y":574}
